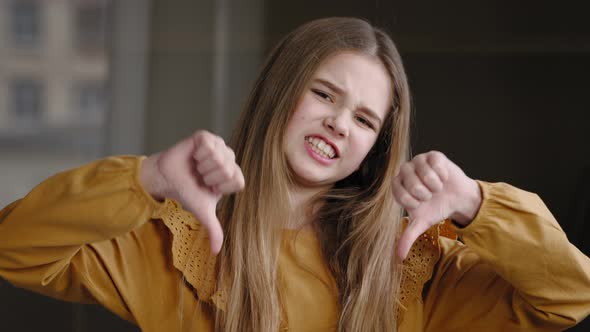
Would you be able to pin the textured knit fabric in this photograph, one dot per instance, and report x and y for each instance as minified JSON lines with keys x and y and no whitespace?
{"x":93,"y":235}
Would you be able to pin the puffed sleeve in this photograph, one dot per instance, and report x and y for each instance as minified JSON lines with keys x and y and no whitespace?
{"x":515,"y":270}
{"x":83,"y":235}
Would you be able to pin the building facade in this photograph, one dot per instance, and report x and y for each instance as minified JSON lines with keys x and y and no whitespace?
{"x":53,"y":66}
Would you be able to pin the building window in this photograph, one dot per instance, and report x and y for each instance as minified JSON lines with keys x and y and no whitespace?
{"x":27,"y":100}
{"x":90,"y":100}
{"x":91,"y":26}
{"x":26,"y":23}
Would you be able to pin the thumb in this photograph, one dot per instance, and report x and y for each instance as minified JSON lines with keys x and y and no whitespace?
{"x":215,"y":233}
{"x":203,"y":208}
{"x":416,"y":227}
{"x":208,"y":219}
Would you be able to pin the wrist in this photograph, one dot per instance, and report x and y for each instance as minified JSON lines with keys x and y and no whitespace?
{"x":469,"y":205}
{"x":150,"y":177}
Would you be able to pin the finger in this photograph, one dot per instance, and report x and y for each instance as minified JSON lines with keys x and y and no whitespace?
{"x":404,"y":198}
{"x":207,"y":165}
{"x":429,"y":177}
{"x":206,"y":145}
{"x":203,"y":151}
{"x":413,"y":185}
{"x":231,"y":154}
{"x":213,"y":159}
{"x":236,"y":184}
{"x":415,"y":229}
{"x":220,"y":172}
{"x":437,"y":162}
{"x":218,"y":176}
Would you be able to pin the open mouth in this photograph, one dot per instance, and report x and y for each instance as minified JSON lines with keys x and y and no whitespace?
{"x":322,"y":147}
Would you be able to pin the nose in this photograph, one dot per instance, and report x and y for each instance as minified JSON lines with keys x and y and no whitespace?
{"x":337,"y":124}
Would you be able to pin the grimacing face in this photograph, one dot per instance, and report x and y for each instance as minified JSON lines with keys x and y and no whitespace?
{"x":337,"y":119}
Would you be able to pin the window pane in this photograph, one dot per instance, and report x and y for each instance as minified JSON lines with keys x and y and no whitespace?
{"x":89,"y":101}
{"x":26,"y":21}
{"x":26,"y":100}
{"x":90,"y":26}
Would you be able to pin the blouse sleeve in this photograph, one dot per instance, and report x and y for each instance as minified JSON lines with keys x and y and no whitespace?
{"x":81,"y":236}
{"x":515,"y":270}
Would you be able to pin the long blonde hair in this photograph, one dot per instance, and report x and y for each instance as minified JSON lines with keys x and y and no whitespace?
{"x":358,"y":222}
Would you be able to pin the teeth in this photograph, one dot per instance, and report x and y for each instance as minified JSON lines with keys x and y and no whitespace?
{"x":321,"y":147}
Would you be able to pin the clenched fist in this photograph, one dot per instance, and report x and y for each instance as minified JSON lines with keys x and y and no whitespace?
{"x":432,"y":188}
{"x":195,"y":172}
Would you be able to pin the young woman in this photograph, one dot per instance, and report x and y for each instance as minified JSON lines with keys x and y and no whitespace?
{"x":300,"y":227}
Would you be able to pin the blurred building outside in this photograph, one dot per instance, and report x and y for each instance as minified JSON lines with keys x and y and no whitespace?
{"x":53,"y":102}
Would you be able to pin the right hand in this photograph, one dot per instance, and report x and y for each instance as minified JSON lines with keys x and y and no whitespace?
{"x":196,"y":172}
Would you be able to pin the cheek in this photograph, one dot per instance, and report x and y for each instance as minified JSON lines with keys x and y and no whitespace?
{"x":361,"y":150}
{"x":299,"y":115}
{"x":307,"y":107}
{"x":294,"y":125}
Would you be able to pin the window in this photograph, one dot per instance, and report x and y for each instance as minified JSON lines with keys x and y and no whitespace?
{"x":27,"y":100}
{"x":91,"y":26}
{"x":90,"y":100}
{"x":26,"y":23}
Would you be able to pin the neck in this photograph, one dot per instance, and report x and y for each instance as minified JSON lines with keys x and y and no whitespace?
{"x":301,"y":215}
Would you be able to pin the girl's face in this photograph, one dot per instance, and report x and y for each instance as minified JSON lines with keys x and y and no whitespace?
{"x":337,"y":119}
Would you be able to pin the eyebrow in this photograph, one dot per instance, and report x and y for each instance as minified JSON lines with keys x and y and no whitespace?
{"x":340,"y":91}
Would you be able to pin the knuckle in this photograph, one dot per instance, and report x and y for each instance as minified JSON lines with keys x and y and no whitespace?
{"x":438,"y":166}
{"x":396,"y":186}
{"x":201,"y":135}
{"x":431,"y":177}
{"x":208,"y":180}
{"x":201,"y":167}
{"x":397,"y":193}
{"x":409,"y":181}
{"x":436,"y":156}
{"x":219,"y":141}
{"x":406,"y":168}
{"x":207,"y":145}
{"x":422,"y":169}
{"x":421,"y":192}
{"x":226,"y":173}
{"x":232,"y":154}
{"x":421,"y":157}
{"x":407,"y":200}
{"x":217,"y":159}
{"x":416,"y":190}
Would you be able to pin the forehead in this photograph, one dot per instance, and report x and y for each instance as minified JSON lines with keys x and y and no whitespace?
{"x":364,"y":79}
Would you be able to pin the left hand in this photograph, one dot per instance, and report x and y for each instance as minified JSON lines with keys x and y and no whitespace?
{"x":432,"y":188}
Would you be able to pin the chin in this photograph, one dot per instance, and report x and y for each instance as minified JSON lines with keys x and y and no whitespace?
{"x":311,"y":177}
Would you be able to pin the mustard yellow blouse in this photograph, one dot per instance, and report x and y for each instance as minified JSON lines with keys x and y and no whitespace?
{"x":93,"y":235}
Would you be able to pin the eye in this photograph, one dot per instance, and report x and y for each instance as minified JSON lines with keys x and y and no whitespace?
{"x":323,"y":95}
{"x":364,"y":122}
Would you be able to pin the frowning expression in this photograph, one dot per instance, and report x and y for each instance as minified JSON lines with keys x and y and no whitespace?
{"x":337,"y":119}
